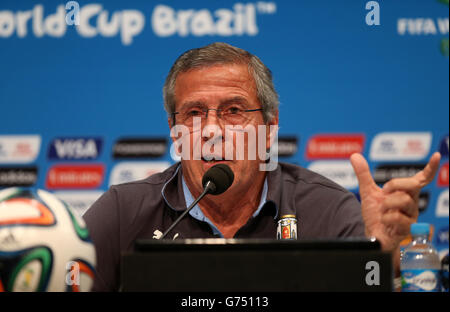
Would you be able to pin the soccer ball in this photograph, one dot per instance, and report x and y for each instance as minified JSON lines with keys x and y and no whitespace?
{"x":44,"y":245}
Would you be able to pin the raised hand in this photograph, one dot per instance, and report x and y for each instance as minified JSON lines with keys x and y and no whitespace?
{"x":388,"y":212}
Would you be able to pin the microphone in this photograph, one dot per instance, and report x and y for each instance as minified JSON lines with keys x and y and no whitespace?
{"x":215,"y":181}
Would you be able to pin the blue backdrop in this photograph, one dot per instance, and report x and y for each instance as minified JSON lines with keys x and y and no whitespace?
{"x":342,"y":68}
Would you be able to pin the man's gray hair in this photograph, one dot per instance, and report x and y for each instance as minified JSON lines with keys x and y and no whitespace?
{"x":223,"y":53}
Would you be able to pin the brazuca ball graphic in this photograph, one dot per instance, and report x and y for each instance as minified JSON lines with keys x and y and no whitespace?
{"x":44,"y":246}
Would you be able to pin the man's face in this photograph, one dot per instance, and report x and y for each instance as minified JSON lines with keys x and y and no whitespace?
{"x":218,"y":87}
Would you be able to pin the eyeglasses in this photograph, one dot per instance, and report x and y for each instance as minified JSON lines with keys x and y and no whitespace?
{"x":230,"y":115}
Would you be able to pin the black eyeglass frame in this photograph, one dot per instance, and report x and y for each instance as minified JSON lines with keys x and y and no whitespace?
{"x":217,"y":110}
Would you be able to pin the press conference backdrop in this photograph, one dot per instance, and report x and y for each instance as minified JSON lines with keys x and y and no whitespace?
{"x":81,"y":105}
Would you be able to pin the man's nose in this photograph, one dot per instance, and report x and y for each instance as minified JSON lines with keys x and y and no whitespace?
{"x":212,"y":117}
{"x":212,"y":120}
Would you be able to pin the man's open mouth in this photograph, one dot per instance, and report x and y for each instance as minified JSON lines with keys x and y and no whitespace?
{"x":213,"y":159}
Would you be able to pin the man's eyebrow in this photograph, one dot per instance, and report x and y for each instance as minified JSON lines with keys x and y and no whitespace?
{"x":234,"y":100}
{"x":190,"y":104}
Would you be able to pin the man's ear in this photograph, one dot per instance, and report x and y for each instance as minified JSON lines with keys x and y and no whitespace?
{"x":271,"y":130}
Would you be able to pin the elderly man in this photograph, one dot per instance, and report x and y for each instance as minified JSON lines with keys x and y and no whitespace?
{"x":217,"y":86}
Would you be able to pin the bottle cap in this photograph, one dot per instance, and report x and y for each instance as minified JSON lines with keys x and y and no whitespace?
{"x":420,"y":229}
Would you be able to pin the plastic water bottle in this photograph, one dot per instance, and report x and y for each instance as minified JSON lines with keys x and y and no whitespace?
{"x":420,"y":264}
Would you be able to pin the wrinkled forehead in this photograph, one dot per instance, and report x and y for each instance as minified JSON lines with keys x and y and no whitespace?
{"x":218,"y":84}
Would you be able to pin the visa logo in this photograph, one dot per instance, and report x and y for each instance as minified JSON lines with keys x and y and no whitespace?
{"x":75,"y":148}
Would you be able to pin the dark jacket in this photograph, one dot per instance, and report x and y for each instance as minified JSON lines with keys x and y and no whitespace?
{"x":139,"y":209}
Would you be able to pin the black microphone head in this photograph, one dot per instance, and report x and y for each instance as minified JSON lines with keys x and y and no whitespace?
{"x":221,"y":176}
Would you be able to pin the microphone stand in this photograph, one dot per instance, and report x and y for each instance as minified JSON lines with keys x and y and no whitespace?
{"x":209,"y":188}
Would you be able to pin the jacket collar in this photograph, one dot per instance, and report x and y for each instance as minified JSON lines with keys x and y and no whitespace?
{"x":173,"y":195}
